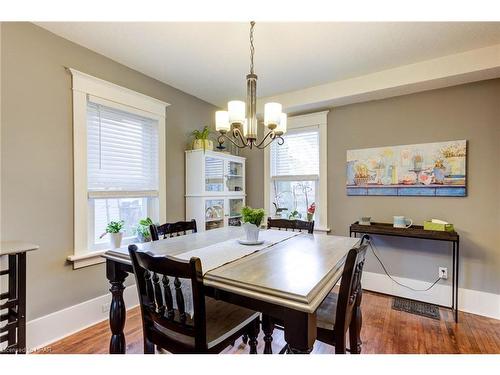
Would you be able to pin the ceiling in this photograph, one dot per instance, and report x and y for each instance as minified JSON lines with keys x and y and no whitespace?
{"x":210,"y":60}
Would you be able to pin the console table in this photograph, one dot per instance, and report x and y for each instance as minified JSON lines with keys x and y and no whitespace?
{"x":14,"y":332}
{"x":417,"y":231}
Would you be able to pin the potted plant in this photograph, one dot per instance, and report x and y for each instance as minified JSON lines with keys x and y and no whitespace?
{"x":439,"y":171}
{"x":310,"y":211}
{"x":361,"y":174}
{"x":142,"y":230}
{"x":115,"y":235}
{"x":252,"y":218}
{"x":201,"y":140}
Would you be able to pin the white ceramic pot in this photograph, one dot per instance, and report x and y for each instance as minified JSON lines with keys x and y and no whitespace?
{"x":251,"y":231}
{"x":115,"y":240}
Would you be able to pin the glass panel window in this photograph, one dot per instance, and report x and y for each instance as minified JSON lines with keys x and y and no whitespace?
{"x":292,"y":198}
{"x":214,"y":174}
{"x":123,"y":174}
{"x":295,"y":175}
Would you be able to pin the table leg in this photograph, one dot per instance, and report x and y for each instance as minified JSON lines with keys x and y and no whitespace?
{"x":12,"y":314}
{"x":453,"y":306}
{"x":268,"y":328}
{"x":300,"y":331}
{"x":117,"y":311}
{"x":456,"y":286}
{"x":21,"y":303}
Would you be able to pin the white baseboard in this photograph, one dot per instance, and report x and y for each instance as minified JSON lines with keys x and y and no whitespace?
{"x":472,"y":301}
{"x":52,"y":327}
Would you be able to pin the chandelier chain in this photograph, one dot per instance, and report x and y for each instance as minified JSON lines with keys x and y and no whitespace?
{"x":252,"y":48}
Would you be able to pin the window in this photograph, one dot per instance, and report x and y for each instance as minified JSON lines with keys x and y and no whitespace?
{"x":296,"y":171}
{"x":119,"y":163}
{"x":122,"y":165}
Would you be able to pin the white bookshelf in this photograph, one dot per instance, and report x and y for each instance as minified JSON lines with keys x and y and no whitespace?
{"x":215,"y":188}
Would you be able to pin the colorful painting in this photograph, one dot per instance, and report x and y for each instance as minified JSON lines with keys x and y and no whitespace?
{"x":428,"y":169}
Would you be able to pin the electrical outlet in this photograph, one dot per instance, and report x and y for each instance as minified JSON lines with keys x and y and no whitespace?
{"x":105,"y":307}
{"x":443,"y":272}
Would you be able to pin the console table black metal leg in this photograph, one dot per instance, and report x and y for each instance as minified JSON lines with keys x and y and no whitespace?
{"x":457,"y":273}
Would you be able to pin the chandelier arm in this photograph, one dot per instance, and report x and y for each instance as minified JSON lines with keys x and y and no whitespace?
{"x":223,"y":136}
{"x":237,"y":132}
{"x":271,"y":135}
{"x":278,"y":138}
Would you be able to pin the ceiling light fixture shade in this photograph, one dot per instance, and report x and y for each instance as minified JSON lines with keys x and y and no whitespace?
{"x":272,"y":114}
{"x":242,"y":124}
{"x":222,"y":121}
{"x":236,"y":109}
{"x":281,"y":128}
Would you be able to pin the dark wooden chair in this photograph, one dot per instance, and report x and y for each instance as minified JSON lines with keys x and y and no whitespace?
{"x":214,"y":325}
{"x":172,"y":229}
{"x":341,"y":312}
{"x":294,"y":225}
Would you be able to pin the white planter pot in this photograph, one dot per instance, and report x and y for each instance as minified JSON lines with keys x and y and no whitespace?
{"x":251,"y":231}
{"x":115,"y":240}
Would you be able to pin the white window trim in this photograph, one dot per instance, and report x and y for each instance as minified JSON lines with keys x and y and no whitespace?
{"x":85,"y":86}
{"x":317,"y":120}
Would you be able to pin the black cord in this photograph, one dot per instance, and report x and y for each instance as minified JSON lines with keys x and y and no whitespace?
{"x":372,"y":246}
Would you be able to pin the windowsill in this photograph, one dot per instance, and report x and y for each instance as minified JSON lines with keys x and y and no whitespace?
{"x":322,"y":230}
{"x":89,"y":259}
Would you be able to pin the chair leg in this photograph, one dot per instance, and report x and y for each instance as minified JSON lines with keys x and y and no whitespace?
{"x":149,"y":347}
{"x":340,"y":345}
{"x":244,"y":338}
{"x":253,"y":332}
{"x":355,"y":327}
{"x":267,"y":327}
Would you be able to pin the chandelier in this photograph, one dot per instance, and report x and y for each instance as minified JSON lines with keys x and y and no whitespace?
{"x":239,"y":123}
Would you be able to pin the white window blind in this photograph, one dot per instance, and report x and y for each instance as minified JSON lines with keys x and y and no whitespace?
{"x":122,"y":151}
{"x":299,"y":155}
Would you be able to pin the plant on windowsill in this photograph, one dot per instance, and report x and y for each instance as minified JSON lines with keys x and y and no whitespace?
{"x":142,"y":230}
{"x":201,"y":140}
{"x":114,"y":231}
{"x":310,"y":211}
{"x":252,"y":218}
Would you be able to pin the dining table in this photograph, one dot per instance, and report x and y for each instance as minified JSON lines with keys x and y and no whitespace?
{"x":286,"y":278}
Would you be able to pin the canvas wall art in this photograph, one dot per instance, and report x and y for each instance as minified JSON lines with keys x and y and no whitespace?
{"x":428,"y":169}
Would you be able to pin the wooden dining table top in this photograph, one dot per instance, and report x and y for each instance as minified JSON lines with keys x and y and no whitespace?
{"x":296,"y":273}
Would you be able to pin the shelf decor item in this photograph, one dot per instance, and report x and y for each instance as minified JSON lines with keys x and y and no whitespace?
{"x":201,"y":140}
{"x":115,"y":235}
{"x":238,"y":124}
{"x":252,"y":218}
{"x":426,"y":170}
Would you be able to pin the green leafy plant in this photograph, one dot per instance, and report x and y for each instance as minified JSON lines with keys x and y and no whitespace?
{"x":113,"y":227}
{"x":252,"y":215}
{"x":142,"y":229}
{"x":294,"y":215}
{"x":201,"y":134}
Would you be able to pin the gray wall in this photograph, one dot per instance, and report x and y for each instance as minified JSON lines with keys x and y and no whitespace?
{"x":469,"y":112}
{"x":37,"y":155}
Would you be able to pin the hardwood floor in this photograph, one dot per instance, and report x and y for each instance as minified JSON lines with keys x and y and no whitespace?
{"x":384,"y":331}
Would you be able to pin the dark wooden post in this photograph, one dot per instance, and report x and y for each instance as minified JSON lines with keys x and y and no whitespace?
{"x":117,"y":311}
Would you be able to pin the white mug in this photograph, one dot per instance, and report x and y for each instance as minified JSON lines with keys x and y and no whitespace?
{"x":402,"y":222}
